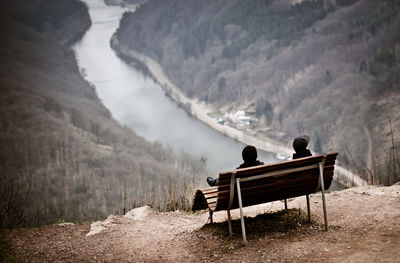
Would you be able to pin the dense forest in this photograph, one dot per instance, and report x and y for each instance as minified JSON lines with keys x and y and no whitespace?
{"x":322,"y":67}
{"x":62,"y":155}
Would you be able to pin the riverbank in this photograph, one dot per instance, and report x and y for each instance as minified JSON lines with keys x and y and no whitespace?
{"x":201,"y":111}
{"x":125,"y":4}
{"x":196,"y":108}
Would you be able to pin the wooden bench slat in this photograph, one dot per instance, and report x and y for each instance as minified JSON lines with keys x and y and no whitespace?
{"x":272,"y":177}
{"x":212,"y":195}
{"x":272,"y":167}
{"x":269,"y":180}
{"x":250,"y":186}
{"x":225,"y":183}
{"x":302,"y":182}
{"x":330,"y":163}
{"x":212,"y":189}
{"x":262,"y":199}
{"x":260,"y":170}
{"x":212,"y":200}
{"x":257,"y":197}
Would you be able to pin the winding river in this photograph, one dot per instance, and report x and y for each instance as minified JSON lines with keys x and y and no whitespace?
{"x":136,"y":101}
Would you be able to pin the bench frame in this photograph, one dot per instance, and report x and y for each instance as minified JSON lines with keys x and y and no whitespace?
{"x":239,"y":194}
{"x":283,"y":173}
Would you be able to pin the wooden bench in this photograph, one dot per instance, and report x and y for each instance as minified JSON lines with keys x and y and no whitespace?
{"x":266,"y":183}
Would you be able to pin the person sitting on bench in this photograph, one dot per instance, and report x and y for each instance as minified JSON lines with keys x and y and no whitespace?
{"x":249,"y":155}
{"x":300,"y":147}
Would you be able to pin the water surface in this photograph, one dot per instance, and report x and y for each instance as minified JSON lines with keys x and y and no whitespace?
{"x":137,"y":101}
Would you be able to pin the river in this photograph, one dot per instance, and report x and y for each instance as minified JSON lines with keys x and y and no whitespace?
{"x":136,"y":101}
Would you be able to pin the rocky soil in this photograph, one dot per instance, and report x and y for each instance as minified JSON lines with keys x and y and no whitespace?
{"x":364,"y":226}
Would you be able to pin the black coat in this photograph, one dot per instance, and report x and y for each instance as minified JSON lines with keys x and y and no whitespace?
{"x":302,"y":154}
{"x":250,"y":164}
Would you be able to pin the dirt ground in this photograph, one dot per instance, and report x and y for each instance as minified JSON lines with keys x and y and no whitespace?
{"x":364,"y":226}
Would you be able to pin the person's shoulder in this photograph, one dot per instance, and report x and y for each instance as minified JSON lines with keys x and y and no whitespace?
{"x":241,"y":166}
{"x":250,"y":164}
{"x":305,"y":153}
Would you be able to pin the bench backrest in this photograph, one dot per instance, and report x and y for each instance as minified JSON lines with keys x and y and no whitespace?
{"x":279,"y":181}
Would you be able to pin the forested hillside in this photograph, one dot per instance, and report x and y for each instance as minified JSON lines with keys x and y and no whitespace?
{"x":62,"y":155}
{"x":322,"y":67}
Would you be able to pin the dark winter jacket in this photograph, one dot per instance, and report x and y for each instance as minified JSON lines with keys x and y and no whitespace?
{"x":302,"y":154}
{"x":250,"y":164}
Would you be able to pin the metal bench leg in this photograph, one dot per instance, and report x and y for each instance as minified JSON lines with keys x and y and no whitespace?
{"x":241,"y":210}
{"x":308,"y":208}
{"x":231,"y":194}
{"x":211,"y":216}
{"x":321,"y":177}
{"x":285,"y":204}
{"x":229,"y":222}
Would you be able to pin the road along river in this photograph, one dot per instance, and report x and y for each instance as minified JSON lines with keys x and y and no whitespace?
{"x":139,"y":102}
{"x":136,"y":101}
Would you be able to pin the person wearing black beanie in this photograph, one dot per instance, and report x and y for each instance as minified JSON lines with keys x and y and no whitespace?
{"x":249,"y":155}
{"x":300,"y":147}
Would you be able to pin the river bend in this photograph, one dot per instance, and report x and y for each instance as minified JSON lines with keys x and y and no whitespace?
{"x":136,"y":101}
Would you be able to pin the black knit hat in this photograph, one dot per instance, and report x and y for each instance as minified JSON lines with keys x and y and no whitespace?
{"x":300,"y":143}
{"x":249,"y":153}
